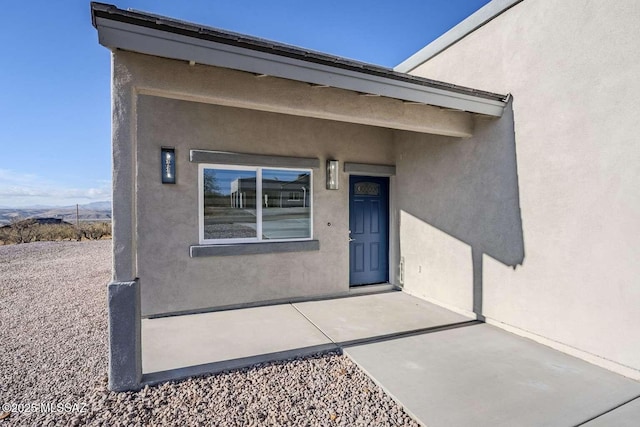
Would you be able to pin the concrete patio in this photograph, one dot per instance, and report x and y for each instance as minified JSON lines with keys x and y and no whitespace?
{"x":177,"y":346}
{"x":444,"y":368}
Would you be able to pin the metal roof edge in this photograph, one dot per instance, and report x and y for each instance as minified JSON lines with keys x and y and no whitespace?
{"x":478,"y":19}
{"x":165,"y":37}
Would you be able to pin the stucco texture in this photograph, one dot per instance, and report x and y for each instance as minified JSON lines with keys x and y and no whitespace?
{"x":167,"y":215}
{"x":572,"y":67}
{"x":457,"y":199}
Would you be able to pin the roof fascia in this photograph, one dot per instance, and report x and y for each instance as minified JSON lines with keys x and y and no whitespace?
{"x":115,"y":34}
{"x":482,"y":16}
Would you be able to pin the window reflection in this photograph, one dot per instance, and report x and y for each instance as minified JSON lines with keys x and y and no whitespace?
{"x":286,"y":204}
{"x":236,"y":208}
{"x":229,"y":204}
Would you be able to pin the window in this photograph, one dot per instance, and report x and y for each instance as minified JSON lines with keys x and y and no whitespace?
{"x":294,"y":195}
{"x":241,"y":204}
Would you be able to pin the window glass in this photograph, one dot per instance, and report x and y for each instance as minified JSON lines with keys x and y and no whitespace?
{"x":229,"y":204}
{"x":286,"y":204}
{"x":367,"y":189}
{"x":253,"y":204}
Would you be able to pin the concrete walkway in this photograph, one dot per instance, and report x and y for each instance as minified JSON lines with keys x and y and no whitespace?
{"x":483,"y":376}
{"x":445,"y":369}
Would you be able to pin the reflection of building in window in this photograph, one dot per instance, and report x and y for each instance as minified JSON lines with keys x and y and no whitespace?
{"x":243,"y":193}
{"x":297,"y":192}
{"x":275,"y":193}
{"x":232,"y":197}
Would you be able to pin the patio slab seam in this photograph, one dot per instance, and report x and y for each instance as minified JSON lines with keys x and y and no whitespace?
{"x":388,"y":336}
{"x":404,"y":334}
{"x":603,"y":414}
{"x":311,"y":322}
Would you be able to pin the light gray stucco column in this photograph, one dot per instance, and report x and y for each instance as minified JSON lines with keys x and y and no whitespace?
{"x":125,"y":358}
{"x":125,"y":353}
{"x":123,"y":100}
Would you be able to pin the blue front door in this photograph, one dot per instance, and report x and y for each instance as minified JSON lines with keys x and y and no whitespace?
{"x":368,"y":230}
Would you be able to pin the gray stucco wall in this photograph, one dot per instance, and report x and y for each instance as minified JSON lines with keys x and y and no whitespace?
{"x":223,"y":109}
{"x":167,"y":215}
{"x":458,"y":199}
{"x":573,"y":69}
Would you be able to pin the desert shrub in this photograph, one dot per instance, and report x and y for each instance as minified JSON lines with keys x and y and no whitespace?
{"x":8,"y":236}
{"x":57,"y":232}
{"x":28,"y":230}
{"x":25,"y":230}
{"x":95,"y":230}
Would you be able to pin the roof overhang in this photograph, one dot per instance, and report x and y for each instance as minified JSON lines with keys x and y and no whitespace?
{"x":169,"y":38}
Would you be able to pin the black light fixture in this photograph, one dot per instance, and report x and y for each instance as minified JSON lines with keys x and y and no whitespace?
{"x":168,"y":165}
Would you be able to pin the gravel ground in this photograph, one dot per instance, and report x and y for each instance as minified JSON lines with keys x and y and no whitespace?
{"x":53,"y":350}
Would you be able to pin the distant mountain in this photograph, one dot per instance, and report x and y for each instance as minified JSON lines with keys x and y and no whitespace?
{"x":95,"y":211}
{"x":99,"y":206}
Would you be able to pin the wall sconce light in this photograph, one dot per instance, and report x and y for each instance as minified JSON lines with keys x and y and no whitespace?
{"x":168,"y":165}
{"x":332,"y":174}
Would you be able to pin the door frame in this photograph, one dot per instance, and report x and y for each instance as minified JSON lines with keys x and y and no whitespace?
{"x":390,"y":225}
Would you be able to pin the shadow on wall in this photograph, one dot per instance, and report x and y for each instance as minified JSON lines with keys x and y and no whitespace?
{"x":466,"y":188}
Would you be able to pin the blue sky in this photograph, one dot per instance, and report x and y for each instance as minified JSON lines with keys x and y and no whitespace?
{"x":54,"y":80}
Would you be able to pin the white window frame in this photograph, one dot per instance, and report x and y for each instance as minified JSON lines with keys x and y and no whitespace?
{"x":259,"y":201}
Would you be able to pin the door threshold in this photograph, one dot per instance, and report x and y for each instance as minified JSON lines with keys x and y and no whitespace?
{"x":372,"y":289}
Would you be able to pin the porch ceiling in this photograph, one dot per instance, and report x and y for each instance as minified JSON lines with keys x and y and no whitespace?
{"x":245,"y":90}
{"x":317,"y":85}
